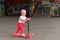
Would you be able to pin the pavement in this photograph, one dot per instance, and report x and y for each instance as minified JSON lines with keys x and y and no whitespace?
{"x":44,"y":28}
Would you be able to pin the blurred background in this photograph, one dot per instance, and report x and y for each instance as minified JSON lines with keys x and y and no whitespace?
{"x":45,"y":23}
{"x":33,"y":7}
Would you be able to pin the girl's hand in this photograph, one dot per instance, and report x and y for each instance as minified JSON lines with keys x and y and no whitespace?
{"x":28,"y":19}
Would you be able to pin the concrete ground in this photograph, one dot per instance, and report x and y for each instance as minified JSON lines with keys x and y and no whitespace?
{"x":44,"y":28}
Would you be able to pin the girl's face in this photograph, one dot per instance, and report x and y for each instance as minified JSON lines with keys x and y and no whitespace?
{"x":23,"y":12}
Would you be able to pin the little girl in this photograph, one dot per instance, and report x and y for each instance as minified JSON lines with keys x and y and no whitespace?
{"x":20,"y":25}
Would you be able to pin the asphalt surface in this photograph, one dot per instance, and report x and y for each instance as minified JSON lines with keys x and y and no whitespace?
{"x":44,"y":28}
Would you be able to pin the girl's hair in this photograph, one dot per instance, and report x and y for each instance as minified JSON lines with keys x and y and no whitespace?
{"x":23,"y":11}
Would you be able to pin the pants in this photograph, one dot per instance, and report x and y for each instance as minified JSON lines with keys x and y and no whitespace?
{"x":20,"y":28}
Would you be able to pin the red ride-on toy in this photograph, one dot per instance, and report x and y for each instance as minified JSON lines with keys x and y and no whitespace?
{"x":28,"y":35}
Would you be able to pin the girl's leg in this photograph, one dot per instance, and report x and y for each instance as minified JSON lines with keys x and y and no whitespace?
{"x":20,"y":28}
{"x":17,"y":33}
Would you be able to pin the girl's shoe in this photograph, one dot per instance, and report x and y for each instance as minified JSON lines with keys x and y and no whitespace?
{"x":16,"y":34}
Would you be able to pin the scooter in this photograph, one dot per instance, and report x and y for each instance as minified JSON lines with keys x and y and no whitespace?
{"x":28,"y":35}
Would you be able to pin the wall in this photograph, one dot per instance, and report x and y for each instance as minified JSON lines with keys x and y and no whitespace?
{"x":2,"y":8}
{"x":16,"y":1}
